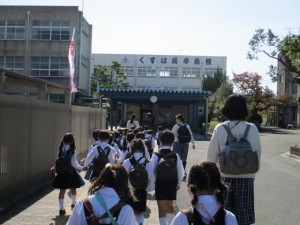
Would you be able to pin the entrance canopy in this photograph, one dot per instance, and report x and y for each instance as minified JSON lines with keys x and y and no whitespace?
{"x":148,"y":96}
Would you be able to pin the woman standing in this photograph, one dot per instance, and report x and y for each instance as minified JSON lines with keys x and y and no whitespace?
{"x":132,"y":123}
{"x":239,"y":199}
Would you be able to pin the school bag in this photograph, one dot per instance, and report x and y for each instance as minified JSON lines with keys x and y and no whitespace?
{"x":194,"y":218}
{"x":183,"y":134}
{"x":138,"y":175}
{"x":101,"y":160}
{"x":93,"y":220}
{"x":238,"y":157}
{"x":166,"y":168}
{"x":63,"y":164}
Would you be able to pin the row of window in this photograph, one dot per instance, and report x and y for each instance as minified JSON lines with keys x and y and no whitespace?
{"x":41,"y":30}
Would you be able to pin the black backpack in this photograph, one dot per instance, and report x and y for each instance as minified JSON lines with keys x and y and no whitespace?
{"x":101,"y":160}
{"x":194,"y":218}
{"x":166,"y":168}
{"x":183,"y":134}
{"x":63,"y":164}
{"x":138,"y":175}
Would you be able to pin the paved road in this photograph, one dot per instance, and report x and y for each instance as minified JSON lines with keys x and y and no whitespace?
{"x":277,"y":185}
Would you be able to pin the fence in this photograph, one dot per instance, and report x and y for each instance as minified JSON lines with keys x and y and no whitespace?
{"x":30,"y":133}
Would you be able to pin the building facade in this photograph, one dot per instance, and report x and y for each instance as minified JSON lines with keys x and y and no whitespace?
{"x":34,"y":40}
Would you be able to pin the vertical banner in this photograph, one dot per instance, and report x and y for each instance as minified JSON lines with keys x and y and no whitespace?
{"x":73,"y":88}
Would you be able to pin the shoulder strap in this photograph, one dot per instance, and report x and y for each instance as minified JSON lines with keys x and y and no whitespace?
{"x":189,"y":215}
{"x":114,"y":209}
{"x":88,"y":209}
{"x":246,"y":132}
{"x":230,"y":136}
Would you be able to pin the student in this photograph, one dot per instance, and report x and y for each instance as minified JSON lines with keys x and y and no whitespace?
{"x":150,"y":141}
{"x":110,"y":153}
{"x":157,"y":135}
{"x":142,"y":136}
{"x":166,"y":184}
{"x":71,"y":179}
{"x":240,"y":196}
{"x":206,"y":189}
{"x":138,"y":159}
{"x":112,"y":187}
{"x":132,"y":123}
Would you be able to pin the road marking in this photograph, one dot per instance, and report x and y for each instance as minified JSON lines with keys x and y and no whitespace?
{"x":290,"y":156}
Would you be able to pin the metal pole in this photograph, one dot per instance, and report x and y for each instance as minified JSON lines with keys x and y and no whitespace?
{"x":27,"y":43}
{"x":206,"y":115}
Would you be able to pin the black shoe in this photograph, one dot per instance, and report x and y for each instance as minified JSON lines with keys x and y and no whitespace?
{"x":184,"y":177}
{"x":62,"y":212}
{"x":72,"y":206}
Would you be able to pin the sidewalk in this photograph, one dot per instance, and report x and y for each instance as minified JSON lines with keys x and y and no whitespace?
{"x":42,"y":208}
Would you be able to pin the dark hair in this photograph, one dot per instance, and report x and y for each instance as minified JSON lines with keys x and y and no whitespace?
{"x":137,"y":144}
{"x":130,"y":136}
{"x":133,"y":116}
{"x":96,"y":134}
{"x":116,"y":177}
{"x":149,"y":132}
{"x":180,"y":117}
{"x":68,"y":138}
{"x":166,"y":137}
{"x":140,"y":135}
{"x":160,"y":128}
{"x":117,"y":134}
{"x":206,"y":176}
{"x":103,"y":135}
{"x":138,"y":129}
{"x":111,"y":137}
{"x":235,"y":108}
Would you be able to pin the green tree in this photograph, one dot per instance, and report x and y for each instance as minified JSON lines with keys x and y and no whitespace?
{"x":285,"y":51}
{"x":109,"y":77}
{"x":213,"y":82}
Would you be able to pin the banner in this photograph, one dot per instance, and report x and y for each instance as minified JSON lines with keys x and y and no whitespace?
{"x":73,"y":88}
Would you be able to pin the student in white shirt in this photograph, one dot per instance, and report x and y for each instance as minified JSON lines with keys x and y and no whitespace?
{"x":112,"y":187}
{"x":206,"y":189}
{"x":132,"y":123}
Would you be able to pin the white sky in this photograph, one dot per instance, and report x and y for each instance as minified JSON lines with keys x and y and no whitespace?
{"x":185,"y":27}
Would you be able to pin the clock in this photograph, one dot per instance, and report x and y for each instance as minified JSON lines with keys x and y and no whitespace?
{"x":153,"y":99}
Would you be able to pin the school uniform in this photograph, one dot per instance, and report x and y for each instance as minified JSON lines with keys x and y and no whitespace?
{"x":111,"y":198}
{"x":150,"y":138}
{"x":211,"y":205}
{"x":94,"y":154}
{"x":90,"y":168}
{"x":166,"y":189}
{"x":69,"y":180}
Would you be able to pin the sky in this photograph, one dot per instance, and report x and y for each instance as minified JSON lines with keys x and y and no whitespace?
{"x":185,"y":27}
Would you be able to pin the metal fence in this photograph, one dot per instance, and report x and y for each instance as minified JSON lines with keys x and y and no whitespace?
{"x":30,"y":133}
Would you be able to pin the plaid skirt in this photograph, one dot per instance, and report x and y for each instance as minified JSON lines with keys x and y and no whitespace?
{"x":239,"y":199}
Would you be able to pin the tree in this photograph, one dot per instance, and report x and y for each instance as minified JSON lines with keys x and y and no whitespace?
{"x":109,"y":77}
{"x":285,"y":51}
{"x":213,"y":82}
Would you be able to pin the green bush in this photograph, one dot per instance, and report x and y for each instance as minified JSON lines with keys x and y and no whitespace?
{"x":213,"y":123}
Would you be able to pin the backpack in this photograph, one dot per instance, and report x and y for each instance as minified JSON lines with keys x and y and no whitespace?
{"x":148,"y":143}
{"x":92,"y":219}
{"x":101,"y":160}
{"x":195,"y":217}
{"x":183,"y":134}
{"x":238,"y":157}
{"x":63,"y":164}
{"x":166,"y":168}
{"x":138,"y":175}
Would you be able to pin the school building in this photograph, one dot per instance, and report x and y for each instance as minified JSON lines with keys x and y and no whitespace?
{"x":162,"y":86}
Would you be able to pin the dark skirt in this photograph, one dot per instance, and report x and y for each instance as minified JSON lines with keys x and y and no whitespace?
{"x":166,"y":189}
{"x":67,"y":181}
{"x":140,"y":204}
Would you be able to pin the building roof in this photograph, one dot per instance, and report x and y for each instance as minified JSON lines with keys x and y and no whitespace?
{"x":142,"y":96}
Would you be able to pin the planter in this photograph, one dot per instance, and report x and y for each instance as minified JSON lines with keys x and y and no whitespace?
{"x":295,"y":150}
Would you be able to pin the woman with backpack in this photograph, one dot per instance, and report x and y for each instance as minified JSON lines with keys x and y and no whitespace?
{"x":206,"y":189}
{"x":169,"y":172}
{"x":141,"y":178}
{"x":66,"y":167}
{"x":106,"y":201}
{"x":239,"y":199}
{"x":183,"y":136}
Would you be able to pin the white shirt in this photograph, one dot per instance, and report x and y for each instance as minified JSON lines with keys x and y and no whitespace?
{"x":180,"y":168}
{"x":151,"y":178}
{"x":175,"y":132}
{"x":219,"y":139}
{"x":94,"y":153}
{"x":212,"y":206}
{"x":134,"y":124}
{"x":74,"y":162}
{"x":111,"y":198}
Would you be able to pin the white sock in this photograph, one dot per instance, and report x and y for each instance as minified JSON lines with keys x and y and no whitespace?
{"x":73,"y":197}
{"x":139,"y":218}
{"x":162,"y":221}
{"x":170,"y":217}
{"x":61,"y":203}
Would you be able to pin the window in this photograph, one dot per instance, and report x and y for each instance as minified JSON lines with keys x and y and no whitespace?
{"x":12,"y":29}
{"x":51,"y":30}
{"x":14,"y":63}
{"x":191,"y":72}
{"x":49,"y":66}
{"x":128,"y":70}
{"x":294,"y":88}
{"x":146,"y":72}
{"x":294,"y":112}
{"x":168,"y":72}
{"x":211,"y":71}
{"x":59,"y":98}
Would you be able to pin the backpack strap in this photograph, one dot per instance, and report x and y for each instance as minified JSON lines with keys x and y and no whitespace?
{"x":230,"y":136}
{"x":246,"y":132}
{"x":113,"y":210}
{"x":104,"y":151}
{"x":88,"y":210}
{"x":189,"y":215}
